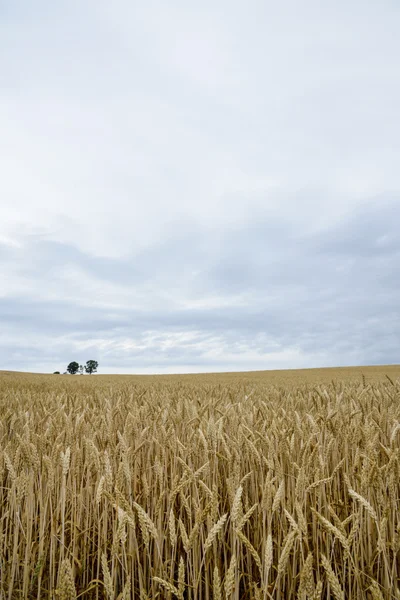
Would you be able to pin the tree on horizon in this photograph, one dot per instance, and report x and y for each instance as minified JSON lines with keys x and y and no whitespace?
{"x":91,"y":366}
{"x":73,"y":367}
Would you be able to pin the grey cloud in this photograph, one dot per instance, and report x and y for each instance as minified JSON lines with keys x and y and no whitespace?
{"x":211,"y":171}
{"x":293,"y":296}
{"x":369,"y":232}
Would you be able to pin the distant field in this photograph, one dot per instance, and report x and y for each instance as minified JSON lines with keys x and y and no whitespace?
{"x":280,"y":377}
{"x":262,"y":485}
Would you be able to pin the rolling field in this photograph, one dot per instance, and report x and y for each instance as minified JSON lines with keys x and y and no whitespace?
{"x":279,"y":485}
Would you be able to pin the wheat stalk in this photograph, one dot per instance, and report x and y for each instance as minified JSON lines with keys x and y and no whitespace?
{"x":215,"y":530}
{"x":332,"y":579}
{"x":250,"y":548}
{"x":230,"y":578}
{"x":108,"y":584}
{"x":332,"y":529}
{"x":364,"y":502}
{"x":167,"y":585}
{"x":67,"y":589}
{"x":290,"y":538}
{"x":217,"y":594}
{"x":306,"y":585}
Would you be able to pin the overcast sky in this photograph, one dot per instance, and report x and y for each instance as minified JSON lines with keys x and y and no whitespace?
{"x":199,"y":186}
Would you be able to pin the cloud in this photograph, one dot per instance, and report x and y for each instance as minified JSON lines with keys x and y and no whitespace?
{"x":199,"y":187}
{"x":267,"y":296}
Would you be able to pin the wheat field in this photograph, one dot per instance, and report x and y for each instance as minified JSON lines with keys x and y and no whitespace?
{"x":251,"y":485}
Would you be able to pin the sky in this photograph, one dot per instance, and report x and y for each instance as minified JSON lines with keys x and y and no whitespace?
{"x":190,"y":187}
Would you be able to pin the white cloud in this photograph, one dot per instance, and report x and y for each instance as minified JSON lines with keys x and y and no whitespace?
{"x":151,"y":135}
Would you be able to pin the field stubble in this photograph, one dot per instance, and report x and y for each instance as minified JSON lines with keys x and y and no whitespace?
{"x":200,"y":487}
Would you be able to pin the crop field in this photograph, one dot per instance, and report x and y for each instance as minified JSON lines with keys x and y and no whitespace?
{"x":268,"y":485}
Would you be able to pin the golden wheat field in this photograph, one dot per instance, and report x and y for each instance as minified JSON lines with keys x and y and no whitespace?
{"x":234,"y":486}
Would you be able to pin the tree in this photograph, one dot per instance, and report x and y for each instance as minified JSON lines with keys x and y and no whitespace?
{"x":56,"y":373}
{"x":73,"y":367}
{"x":91,"y":366}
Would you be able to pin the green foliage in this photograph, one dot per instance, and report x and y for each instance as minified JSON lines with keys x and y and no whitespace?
{"x":73,"y":367}
{"x":91,"y":366}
